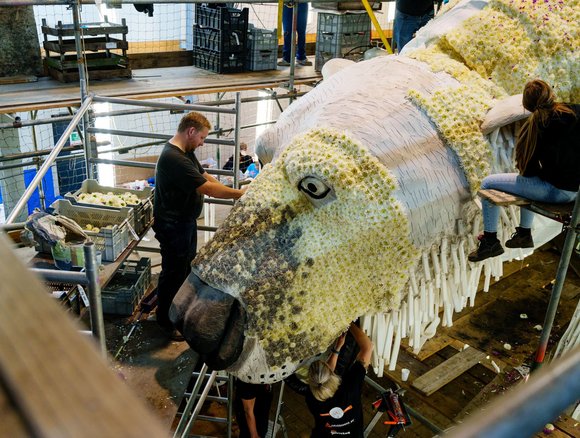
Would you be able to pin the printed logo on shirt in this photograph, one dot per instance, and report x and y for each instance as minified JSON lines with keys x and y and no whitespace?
{"x":337,"y":412}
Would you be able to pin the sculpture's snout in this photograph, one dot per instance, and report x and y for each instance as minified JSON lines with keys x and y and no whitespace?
{"x":211,"y":321}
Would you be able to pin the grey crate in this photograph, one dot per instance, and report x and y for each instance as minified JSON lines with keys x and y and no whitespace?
{"x":346,"y":6}
{"x":262,"y":60}
{"x":143,"y":211}
{"x":343,"y":23}
{"x":352,"y":53}
{"x":341,"y":35}
{"x":123,"y":293}
{"x":262,"y":39}
{"x":111,"y":241}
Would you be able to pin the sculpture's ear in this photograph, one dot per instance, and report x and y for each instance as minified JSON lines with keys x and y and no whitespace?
{"x":266,"y":145}
{"x":504,"y":112}
{"x":335,"y":65}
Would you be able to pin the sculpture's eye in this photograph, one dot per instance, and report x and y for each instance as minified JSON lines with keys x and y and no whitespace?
{"x":317,"y":190}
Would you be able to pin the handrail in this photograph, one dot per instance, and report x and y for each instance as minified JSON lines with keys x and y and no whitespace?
{"x":50,"y":160}
{"x":174,"y":106}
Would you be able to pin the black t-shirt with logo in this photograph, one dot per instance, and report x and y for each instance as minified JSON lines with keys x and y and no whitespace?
{"x":177,"y":177}
{"x":341,"y":415}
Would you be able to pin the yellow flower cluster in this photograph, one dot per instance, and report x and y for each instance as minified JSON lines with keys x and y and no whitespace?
{"x":296,"y":239}
{"x":461,"y":127}
{"x":493,"y":54}
{"x":513,"y":41}
{"x":110,"y":199}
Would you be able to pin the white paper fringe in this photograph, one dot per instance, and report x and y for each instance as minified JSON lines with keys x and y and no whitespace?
{"x":444,"y":280}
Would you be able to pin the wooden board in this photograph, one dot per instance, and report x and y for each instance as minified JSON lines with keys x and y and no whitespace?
{"x":568,"y":425}
{"x":180,"y":58}
{"x":441,"y":375}
{"x":147,"y":84}
{"x":54,"y":377}
{"x":501,"y":198}
{"x":17,"y":79}
{"x":95,"y":75}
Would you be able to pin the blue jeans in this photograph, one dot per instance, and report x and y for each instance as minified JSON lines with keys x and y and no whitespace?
{"x":178,"y":245}
{"x":406,"y":25}
{"x":302,"y":19}
{"x":528,"y":187}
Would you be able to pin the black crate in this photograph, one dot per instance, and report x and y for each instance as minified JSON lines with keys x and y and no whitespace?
{"x":219,"y":62}
{"x":222,"y":41}
{"x":68,"y":294}
{"x":123,"y":293}
{"x":230,"y":19}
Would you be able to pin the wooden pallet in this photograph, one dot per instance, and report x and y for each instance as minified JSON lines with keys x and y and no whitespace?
{"x":73,"y":76}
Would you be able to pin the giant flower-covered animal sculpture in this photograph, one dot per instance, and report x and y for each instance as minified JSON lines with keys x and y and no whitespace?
{"x":368,"y":208}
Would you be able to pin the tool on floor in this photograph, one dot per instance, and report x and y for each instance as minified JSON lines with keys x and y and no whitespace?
{"x":391,"y":403}
{"x":147,"y":304}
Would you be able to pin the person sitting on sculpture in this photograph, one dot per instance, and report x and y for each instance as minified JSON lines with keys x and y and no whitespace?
{"x":547,"y":155}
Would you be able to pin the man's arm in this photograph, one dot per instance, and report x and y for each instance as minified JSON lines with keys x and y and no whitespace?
{"x":364,"y":344}
{"x":209,"y":177}
{"x":212,"y":187}
{"x":250,"y":418}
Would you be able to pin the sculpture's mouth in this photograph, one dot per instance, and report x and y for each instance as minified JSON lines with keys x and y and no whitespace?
{"x":211,"y":321}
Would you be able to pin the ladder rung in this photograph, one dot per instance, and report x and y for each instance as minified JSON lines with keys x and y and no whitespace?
{"x":217,"y":378}
{"x":213,"y":419}
{"x":210,"y":397}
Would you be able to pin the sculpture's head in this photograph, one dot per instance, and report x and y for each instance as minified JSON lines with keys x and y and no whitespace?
{"x":317,"y":240}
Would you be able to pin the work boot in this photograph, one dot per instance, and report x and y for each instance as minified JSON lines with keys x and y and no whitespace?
{"x":304,"y":62}
{"x":283,"y":63}
{"x":522,"y":238}
{"x":488,"y":247}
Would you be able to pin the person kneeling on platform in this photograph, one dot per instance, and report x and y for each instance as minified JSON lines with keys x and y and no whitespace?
{"x":548,"y":158}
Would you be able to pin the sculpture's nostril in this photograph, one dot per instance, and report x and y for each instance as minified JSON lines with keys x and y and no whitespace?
{"x":211,"y":321}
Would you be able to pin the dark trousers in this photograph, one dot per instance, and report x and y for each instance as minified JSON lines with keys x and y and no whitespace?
{"x":178,"y":244}
{"x":302,"y":19}
{"x":406,"y":26}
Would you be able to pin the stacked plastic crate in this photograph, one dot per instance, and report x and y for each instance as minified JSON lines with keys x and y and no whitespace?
{"x":262,"y":49}
{"x":341,"y":36}
{"x":219,"y":39}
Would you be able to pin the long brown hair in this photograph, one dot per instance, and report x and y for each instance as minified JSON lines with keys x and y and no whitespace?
{"x":540,"y":100}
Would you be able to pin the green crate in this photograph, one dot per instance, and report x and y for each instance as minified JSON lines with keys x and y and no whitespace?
{"x":143,"y":211}
{"x":111,"y":241}
{"x":123,"y":293}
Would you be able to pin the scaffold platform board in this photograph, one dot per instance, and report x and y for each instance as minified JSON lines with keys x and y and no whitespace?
{"x":146,"y":84}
